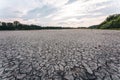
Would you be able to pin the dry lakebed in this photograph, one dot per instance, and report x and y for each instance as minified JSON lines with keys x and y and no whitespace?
{"x":60,"y":55}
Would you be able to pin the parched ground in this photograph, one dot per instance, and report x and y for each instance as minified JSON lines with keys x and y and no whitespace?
{"x":60,"y":55}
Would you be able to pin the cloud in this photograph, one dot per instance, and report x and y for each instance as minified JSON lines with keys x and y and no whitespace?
{"x":58,"y":12}
{"x":78,"y":8}
{"x":70,"y":1}
{"x":40,"y":12}
{"x":55,"y":3}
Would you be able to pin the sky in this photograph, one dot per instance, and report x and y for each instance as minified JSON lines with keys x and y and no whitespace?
{"x":66,"y":13}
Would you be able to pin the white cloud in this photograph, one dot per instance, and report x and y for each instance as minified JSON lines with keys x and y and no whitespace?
{"x":78,"y":8}
{"x":77,"y":13}
{"x":56,"y":3}
{"x":19,"y":5}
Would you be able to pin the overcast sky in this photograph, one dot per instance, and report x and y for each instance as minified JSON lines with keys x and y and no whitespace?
{"x":72,"y":13}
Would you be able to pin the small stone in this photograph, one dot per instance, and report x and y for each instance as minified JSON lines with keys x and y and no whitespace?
{"x":69,"y":77}
{"x":87,"y":68}
{"x":20,"y":76}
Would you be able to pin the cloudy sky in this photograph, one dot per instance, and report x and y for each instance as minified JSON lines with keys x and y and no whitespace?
{"x":72,"y":13}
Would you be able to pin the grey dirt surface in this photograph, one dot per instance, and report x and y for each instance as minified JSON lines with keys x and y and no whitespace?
{"x":60,"y":55}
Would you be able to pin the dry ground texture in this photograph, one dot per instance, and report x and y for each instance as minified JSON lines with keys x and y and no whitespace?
{"x":60,"y":55}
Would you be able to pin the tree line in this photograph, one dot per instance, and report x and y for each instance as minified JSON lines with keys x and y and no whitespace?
{"x":111,"y":22}
{"x":16,"y":25}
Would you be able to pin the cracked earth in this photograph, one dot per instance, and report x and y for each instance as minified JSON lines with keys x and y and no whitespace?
{"x":60,"y":55}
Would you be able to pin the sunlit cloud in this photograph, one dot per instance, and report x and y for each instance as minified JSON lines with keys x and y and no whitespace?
{"x":73,"y":13}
